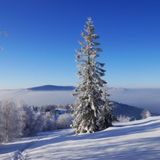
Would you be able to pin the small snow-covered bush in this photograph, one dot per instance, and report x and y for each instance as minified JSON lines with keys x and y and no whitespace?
{"x":49,"y":123}
{"x":18,"y":155}
{"x":145,"y":114}
{"x":64,"y":121}
{"x":122,"y":118}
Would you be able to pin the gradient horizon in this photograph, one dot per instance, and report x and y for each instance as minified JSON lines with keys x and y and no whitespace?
{"x":43,"y":36}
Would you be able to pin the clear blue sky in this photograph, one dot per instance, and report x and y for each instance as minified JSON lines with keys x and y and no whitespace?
{"x":43,"y":35}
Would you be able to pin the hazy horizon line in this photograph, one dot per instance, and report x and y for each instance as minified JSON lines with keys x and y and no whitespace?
{"x":116,"y":87}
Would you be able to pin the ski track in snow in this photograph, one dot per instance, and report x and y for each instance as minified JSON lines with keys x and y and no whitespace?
{"x":137,"y":140}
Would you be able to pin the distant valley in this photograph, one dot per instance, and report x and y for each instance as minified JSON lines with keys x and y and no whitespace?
{"x":52,"y":94}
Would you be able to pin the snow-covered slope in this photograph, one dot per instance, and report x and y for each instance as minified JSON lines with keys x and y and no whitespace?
{"x":138,"y":140}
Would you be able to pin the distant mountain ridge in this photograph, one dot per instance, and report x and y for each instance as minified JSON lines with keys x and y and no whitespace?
{"x":52,"y":88}
{"x":65,"y":88}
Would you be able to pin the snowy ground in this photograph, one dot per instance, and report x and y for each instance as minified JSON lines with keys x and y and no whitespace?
{"x":137,"y":140}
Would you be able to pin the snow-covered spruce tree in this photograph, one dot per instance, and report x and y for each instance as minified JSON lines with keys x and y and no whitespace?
{"x":92,"y":109}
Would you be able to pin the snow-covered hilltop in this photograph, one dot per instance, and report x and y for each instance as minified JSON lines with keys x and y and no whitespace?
{"x":133,"y":140}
